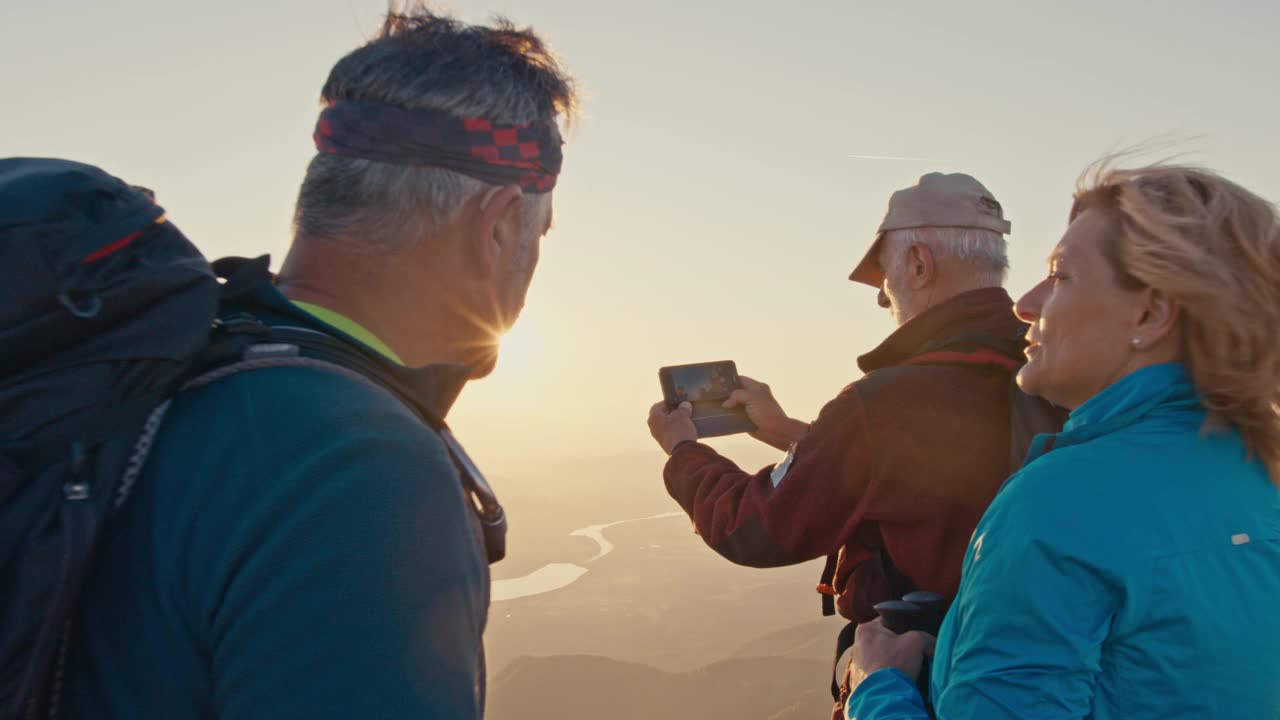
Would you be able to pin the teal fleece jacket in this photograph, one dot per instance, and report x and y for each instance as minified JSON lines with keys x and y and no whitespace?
{"x":1130,"y":570}
{"x":299,"y":545}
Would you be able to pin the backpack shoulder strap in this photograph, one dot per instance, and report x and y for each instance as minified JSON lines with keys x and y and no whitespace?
{"x":287,"y":346}
{"x":241,"y":342}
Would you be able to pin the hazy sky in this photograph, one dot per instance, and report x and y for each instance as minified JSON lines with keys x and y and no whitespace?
{"x":709,"y":207}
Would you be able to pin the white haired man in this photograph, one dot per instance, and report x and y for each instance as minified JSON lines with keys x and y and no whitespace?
{"x":891,"y":478}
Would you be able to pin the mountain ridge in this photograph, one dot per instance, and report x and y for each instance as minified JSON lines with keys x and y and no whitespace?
{"x":588,"y":686}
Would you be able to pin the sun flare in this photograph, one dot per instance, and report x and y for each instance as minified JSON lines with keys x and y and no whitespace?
{"x":519,"y":352}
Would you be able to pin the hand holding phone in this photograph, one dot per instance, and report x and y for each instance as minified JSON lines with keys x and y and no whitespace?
{"x":774,"y":426}
{"x":706,"y":386}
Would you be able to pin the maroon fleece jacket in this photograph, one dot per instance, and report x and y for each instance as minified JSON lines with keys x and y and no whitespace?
{"x":894,"y":473}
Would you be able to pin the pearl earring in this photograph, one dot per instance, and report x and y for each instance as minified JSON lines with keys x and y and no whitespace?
{"x":1135,"y":342}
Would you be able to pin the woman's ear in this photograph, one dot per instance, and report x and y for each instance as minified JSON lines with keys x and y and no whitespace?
{"x":1158,"y":320}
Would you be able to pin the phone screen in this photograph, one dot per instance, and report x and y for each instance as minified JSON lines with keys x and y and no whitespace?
{"x":706,"y":386}
{"x":702,"y":383}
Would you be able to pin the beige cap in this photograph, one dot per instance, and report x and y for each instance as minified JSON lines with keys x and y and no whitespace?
{"x":936,"y":200}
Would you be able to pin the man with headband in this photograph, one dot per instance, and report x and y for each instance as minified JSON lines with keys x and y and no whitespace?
{"x":891,"y":478}
{"x":300,"y":542}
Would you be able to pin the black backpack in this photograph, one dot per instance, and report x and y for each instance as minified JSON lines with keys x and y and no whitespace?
{"x":106,"y":311}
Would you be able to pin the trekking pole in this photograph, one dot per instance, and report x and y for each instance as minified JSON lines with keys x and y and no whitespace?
{"x":920,"y":610}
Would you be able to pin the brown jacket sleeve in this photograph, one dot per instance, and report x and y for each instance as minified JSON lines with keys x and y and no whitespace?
{"x":783,"y":514}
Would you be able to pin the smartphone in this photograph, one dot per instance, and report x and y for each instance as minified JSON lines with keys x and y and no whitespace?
{"x":706,"y":386}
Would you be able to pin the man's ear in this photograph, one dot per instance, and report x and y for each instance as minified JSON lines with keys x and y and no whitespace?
{"x":1158,"y":318}
{"x":496,"y":219}
{"x":920,"y":265}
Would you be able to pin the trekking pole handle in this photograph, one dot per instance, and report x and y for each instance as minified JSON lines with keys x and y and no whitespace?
{"x":930,"y":603}
{"x":899,"y":616}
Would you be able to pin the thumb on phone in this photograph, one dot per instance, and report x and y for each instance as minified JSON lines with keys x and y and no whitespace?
{"x":736,"y":398}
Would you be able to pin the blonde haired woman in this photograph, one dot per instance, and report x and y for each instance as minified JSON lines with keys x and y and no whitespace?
{"x":1131,"y":569}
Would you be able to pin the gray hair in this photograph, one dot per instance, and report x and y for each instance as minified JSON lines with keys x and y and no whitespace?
{"x":421,"y":60}
{"x":986,"y":251}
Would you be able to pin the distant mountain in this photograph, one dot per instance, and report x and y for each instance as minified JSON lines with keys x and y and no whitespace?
{"x":664,"y":599}
{"x":799,"y":642}
{"x":546,"y":501}
{"x":662,"y":626}
{"x":805,"y":707}
{"x":585,"y":686}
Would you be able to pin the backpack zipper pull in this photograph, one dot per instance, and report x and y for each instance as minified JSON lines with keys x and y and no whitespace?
{"x":76,"y":489}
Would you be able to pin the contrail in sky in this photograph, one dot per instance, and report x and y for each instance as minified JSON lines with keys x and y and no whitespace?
{"x":889,"y":157}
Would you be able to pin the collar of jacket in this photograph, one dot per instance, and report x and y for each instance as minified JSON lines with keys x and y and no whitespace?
{"x":251,"y":287}
{"x":1132,"y":397}
{"x":1166,"y":386}
{"x":971,"y":320}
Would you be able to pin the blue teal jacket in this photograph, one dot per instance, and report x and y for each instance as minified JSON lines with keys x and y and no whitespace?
{"x":299,"y":545}
{"x":1131,"y":569}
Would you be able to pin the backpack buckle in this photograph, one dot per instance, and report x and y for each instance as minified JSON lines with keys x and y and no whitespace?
{"x":241,"y":324}
{"x":83,"y":304}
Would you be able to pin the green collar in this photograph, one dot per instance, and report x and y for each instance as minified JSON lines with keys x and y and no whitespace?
{"x":341,"y":322}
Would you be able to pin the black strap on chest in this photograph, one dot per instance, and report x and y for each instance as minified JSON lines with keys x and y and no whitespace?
{"x":287,"y":346}
{"x":242,"y":342}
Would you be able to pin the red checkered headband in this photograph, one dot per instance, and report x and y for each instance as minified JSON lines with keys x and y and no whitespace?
{"x":492,"y":152}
